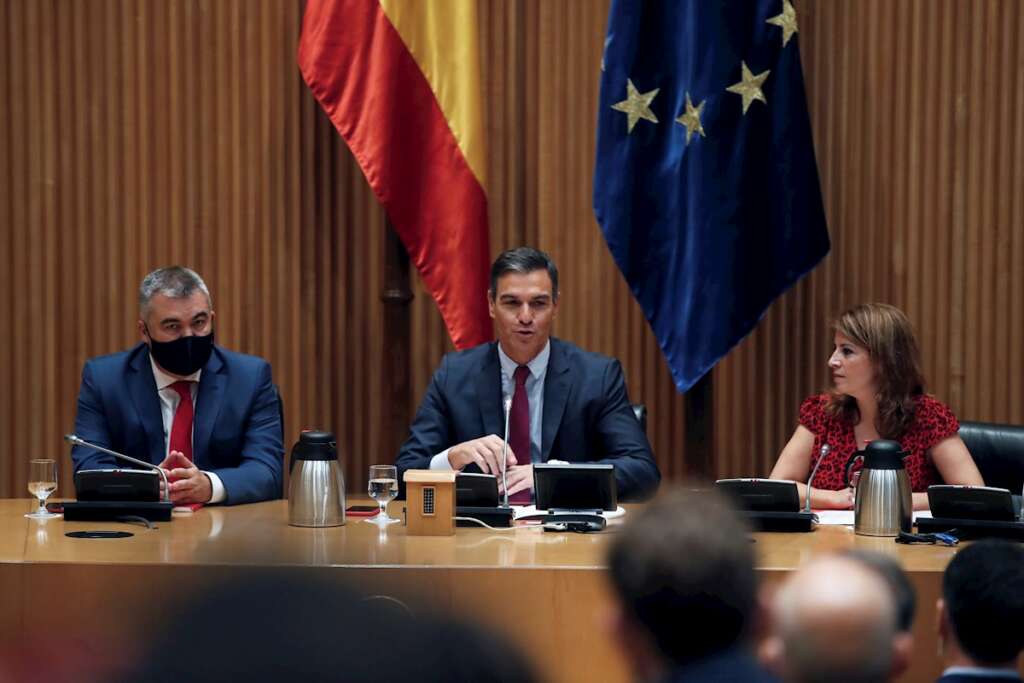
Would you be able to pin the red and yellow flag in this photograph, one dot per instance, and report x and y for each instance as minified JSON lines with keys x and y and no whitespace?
{"x":400,"y":80}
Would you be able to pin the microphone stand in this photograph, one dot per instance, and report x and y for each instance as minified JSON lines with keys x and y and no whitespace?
{"x":73,"y":439}
{"x":504,"y":454}
{"x":825,"y":448}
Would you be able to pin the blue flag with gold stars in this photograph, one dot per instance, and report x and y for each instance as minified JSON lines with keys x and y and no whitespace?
{"x":705,"y":186}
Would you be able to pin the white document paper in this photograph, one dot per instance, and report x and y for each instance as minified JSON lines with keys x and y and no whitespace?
{"x":845,"y":517}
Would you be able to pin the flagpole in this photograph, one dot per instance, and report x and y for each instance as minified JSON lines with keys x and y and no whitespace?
{"x":396,"y":358}
{"x":698,"y":410}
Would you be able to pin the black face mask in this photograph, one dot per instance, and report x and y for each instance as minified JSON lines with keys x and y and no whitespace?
{"x":184,"y":355}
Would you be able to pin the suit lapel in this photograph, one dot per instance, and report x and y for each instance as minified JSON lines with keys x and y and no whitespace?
{"x":208,"y":402}
{"x":142,"y":387}
{"x":488,"y":392}
{"x":557,"y":385}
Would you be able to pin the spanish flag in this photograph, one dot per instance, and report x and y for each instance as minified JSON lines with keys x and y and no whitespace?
{"x":400,"y":80}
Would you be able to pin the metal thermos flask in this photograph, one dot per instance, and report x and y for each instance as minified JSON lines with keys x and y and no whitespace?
{"x":316,"y":491}
{"x":883,"y":504}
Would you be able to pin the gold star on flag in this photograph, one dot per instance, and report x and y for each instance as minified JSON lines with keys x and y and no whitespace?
{"x":691,"y":119}
{"x":749,"y":87}
{"x":786,"y":21}
{"x":637,"y":105}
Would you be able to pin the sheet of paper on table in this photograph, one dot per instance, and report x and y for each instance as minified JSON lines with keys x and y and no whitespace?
{"x":841,"y":517}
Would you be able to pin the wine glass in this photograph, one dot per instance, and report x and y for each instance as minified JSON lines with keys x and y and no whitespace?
{"x":383,"y":488}
{"x":42,"y":481}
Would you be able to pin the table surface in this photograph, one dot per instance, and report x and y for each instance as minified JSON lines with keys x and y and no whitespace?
{"x":558,"y":578}
{"x":259,"y":534}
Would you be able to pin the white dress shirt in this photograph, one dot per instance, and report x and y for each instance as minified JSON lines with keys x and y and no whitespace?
{"x":169,"y":400}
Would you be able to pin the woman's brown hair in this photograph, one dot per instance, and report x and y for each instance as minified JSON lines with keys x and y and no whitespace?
{"x":887,"y":335}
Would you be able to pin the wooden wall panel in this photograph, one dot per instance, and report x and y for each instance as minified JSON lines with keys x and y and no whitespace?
{"x":135,"y":134}
{"x":140,"y":134}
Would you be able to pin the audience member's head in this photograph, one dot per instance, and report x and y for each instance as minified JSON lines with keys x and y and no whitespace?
{"x":981,"y":611}
{"x":890,"y":570}
{"x":282,"y":626}
{"x":683,"y":572}
{"x":835,"y":619}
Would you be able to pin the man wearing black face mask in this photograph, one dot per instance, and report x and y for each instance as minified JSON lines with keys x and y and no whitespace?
{"x":207,"y":415}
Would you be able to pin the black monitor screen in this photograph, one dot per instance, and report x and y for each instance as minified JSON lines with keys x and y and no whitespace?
{"x":762,"y":495}
{"x":575,"y":487}
{"x":971,"y":502}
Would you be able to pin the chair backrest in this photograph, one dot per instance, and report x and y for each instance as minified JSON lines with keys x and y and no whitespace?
{"x":998,"y":450}
{"x":640,"y":410}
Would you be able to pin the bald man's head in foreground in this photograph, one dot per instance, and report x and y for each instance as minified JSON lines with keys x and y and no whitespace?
{"x":835,"y":620}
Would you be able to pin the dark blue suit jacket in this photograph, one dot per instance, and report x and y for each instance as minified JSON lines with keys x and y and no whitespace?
{"x":996,"y":677}
{"x":735,"y":665}
{"x":236,"y":433}
{"x":587,"y":415}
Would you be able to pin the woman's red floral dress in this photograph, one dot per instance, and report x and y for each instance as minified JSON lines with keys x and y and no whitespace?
{"x":933,"y":422}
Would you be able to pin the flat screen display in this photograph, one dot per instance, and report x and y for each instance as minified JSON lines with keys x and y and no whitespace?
{"x":575,"y":486}
{"x":971,"y":502}
{"x":762,"y":495}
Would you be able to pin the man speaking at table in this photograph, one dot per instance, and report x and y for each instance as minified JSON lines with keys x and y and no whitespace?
{"x":566,"y":404}
{"x":208,"y":416}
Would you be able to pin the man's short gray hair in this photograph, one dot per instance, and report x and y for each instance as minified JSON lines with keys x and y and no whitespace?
{"x":175,"y":282}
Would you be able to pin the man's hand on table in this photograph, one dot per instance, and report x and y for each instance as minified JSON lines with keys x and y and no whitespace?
{"x":520,"y":478}
{"x":187,"y":482}
{"x":484,"y":452}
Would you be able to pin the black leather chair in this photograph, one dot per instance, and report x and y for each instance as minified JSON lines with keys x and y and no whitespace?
{"x":640,"y":410}
{"x":998,"y":450}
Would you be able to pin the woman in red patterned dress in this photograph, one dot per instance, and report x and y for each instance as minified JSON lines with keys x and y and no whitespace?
{"x":878,"y":394}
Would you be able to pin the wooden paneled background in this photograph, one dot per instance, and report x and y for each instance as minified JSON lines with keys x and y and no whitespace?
{"x":140,"y":133}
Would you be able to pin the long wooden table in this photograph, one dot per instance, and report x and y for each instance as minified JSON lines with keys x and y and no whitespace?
{"x":112,"y":590}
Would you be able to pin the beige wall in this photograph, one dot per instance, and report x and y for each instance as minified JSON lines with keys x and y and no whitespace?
{"x":141,"y":133}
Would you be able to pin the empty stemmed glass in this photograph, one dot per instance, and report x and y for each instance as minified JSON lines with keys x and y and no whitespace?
{"x":42,"y":481}
{"x":383,"y":488}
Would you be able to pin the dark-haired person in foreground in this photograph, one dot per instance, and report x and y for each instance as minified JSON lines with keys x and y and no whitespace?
{"x":567,"y":404}
{"x":878,"y":394}
{"x":686,"y":592}
{"x":208,"y":416}
{"x":981,"y":614}
{"x":269,"y":626}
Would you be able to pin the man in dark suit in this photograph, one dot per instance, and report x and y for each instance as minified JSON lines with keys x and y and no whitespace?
{"x":208,"y":416}
{"x":981,"y":613}
{"x":686,"y":593}
{"x":565,"y":403}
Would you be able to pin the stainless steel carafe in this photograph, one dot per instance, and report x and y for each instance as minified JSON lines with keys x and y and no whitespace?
{"x":883,"y":504}
{"x":316,"y":491}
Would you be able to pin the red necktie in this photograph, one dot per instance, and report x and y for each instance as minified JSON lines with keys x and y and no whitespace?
{"x":519,"y":430}
{"x":181,"y":428}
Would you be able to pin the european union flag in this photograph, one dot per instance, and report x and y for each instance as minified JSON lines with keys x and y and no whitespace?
{"x":706,"y":187}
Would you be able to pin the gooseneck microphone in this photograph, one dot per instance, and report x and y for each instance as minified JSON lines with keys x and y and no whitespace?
{"x":73,"y":439}
{"x":504,"y":454}
{"x":825,"y":448}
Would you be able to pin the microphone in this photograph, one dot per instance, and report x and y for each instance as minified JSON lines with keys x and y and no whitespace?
{"x":825,"y":448}
{"x":504,"y":454}
{"x":73,"y":439}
